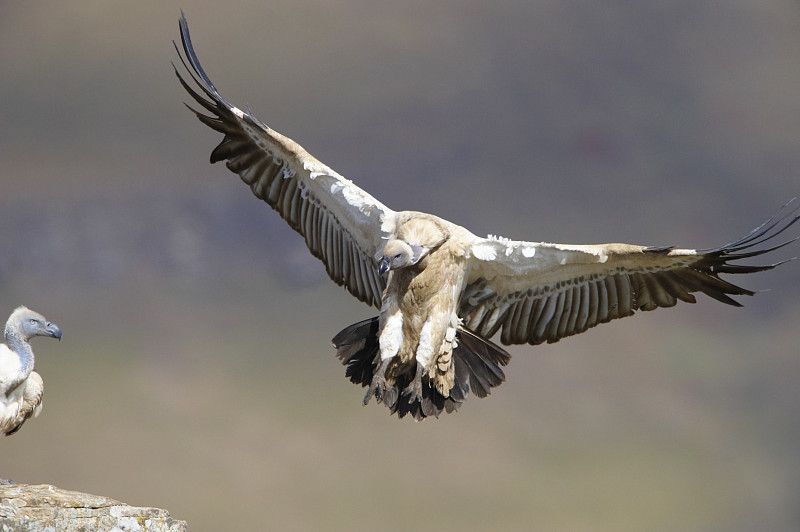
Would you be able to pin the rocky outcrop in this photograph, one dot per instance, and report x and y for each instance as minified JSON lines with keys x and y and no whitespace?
{"x":45,"y":508}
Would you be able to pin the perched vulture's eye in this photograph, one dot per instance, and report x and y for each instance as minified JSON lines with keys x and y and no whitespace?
{"x":33,"y":321}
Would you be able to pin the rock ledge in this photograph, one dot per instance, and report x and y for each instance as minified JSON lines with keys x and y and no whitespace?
{"x":45,"y":508}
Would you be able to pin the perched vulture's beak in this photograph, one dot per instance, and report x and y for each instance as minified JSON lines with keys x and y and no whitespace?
{"x":384,"y":265}
{"x":53,"y":330}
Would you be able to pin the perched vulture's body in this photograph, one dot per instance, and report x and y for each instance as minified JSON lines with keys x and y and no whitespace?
{"x":447,"y":290}
{"x":21,"y":388}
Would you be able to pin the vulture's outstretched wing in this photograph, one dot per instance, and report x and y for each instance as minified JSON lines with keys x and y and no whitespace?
{"x":343,"y":226}
{"x":537,"y":292}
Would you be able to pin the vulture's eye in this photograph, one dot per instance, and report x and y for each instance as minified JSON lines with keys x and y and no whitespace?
{"x":33,"y":321}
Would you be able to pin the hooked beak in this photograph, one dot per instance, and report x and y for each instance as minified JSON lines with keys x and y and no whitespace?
{"x":53,"y":330}
{"x":383,"y":265}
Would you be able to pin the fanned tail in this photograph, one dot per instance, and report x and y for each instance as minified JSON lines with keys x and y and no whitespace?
{"x":357,"y":347}
{"x":477,"y":367}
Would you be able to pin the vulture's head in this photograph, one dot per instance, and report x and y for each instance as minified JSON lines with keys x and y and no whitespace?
{"x":414,"y":241}
{"x":27,"y":323}
{"x":398,"y":254}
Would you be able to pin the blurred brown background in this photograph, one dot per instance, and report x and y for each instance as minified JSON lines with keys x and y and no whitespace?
{"x":196,"y":372}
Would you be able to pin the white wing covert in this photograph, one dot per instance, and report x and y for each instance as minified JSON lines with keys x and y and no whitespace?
{"x":343,"y":225}
{"x":538,"y":292}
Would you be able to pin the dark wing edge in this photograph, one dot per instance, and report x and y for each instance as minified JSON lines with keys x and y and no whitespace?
{"x":547,"y":313}
{"x":342,"y":225}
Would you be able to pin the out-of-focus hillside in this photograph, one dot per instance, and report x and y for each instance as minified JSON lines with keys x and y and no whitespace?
{"x":195,"y":372}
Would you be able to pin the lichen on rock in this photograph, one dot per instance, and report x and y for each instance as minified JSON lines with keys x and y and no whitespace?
{"x":46,"y":508}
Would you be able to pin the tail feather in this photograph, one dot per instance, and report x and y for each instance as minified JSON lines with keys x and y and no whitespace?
{"x":477,"y":366}
{"x":357,"y":347}
{"x":460,"y":389}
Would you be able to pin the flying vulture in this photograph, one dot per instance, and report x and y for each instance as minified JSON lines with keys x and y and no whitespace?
{"x":442,"y":291}
{"x":21,"y":388}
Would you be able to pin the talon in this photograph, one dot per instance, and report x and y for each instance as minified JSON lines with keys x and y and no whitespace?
{"x":378,"y":385}
{"x":376,"y":388}
{"x":414,"y":388}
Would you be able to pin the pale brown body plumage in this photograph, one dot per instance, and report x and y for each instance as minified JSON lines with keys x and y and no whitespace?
{"x":448,"y":291}
{"x":425,"y":293}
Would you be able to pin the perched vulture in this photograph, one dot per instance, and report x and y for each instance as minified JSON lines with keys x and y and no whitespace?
{"x":21,"y":388}
{"x":442,"y":291}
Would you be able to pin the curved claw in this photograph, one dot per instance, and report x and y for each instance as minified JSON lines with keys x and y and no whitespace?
{"x":376,"y":388}
{"x":414,"y":389}
{"x":378,"y":385}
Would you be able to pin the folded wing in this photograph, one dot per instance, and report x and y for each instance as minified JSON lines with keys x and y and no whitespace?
{"x":537,"y":292}
{"x":343,"y":226}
